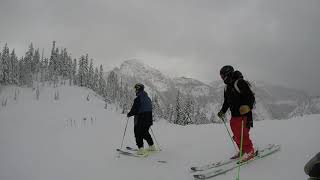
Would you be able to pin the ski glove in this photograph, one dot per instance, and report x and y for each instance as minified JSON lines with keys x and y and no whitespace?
{"x":244,"y":109}
{"x":221,"y":115}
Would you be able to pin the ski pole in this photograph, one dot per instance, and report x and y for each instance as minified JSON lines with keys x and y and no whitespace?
{"x":124,"y":133}
{"x":223,"y":120}
{"x":241,"y":144}
{"x":155,"y":139}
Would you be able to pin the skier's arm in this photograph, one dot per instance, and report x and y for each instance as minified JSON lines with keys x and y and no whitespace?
{"x":134,"y":108}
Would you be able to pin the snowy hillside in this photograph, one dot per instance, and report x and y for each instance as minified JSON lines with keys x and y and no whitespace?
{"x":74,"y":138}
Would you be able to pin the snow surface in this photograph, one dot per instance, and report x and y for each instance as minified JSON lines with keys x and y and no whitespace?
{"x":37,"y":142}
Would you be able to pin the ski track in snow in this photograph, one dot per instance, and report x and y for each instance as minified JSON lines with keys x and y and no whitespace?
{"x":37,"y":142}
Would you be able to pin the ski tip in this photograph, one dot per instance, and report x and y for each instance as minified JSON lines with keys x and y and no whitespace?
{"x":199,"y":176}
{"x":195,"y":169}
{"x":161,"y":161}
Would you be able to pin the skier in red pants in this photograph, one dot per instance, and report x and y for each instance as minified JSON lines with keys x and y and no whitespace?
{"x":239,"y":98}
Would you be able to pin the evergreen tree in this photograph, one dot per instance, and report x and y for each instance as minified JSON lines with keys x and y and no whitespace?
{"x":81,"y":72}
{"x":52,"y":62}
{"x":200,"y":117}
{"x":102,"y":82}
{"x":21,"y":76}
{"x":5,"y":60}
{"x":28,"y":66}
{"x":46,"y":69}
{"x":64,"y":64}
{"x":74,"y":71}
{"x":96,"y":80}
{"x":178,"y":110}
{"x":14,"y":68}
{"x":112,"y":86}
{"x":35,"y":62}
{"x":188,"y":110}
{"x":90,"y":75}
{"x":157,"y":111}
{"x":86,"y":70}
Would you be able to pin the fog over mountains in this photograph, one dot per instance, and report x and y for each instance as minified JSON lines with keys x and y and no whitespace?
{"x":273,"y":101}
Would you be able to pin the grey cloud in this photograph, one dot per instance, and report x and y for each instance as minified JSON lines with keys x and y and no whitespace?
{"x":271,"y":40}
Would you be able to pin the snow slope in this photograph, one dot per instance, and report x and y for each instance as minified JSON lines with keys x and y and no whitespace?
{"x":38,"y":141}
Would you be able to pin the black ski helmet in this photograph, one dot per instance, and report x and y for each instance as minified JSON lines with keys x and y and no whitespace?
{"x":226,"y":73}
{"x":139,"y":87}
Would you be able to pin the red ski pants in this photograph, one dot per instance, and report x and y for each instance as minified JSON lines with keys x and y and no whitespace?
{"x":236,"y":124}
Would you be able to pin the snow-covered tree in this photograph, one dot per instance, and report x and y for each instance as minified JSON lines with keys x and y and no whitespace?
{"x":169,"y":113}
{"x":5,"y":63}
{"x":74,"y":71}
{"x":179,"y":116}
{"x":27,"y":71}
{"x":52,"y":62}
{"x":102,"y":82}
{"x":112,"y":86}
{"x":14,"y":70}
{"x":90,"y":75}
{"x":86,"y":70}
{"x":96,"y":80}
{"x":200,"y":117}
{"x":157,"y":111}
{"x":188,"y":110}
{"x":35,"y":68}
{"x":81,"y":72}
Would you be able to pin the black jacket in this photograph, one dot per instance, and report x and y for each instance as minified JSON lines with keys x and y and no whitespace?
{"x":141,"y":109}
{"x":236,"y":94}
{"x":234,"y":99}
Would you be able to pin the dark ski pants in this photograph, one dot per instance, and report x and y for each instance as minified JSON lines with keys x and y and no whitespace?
{"x":236,"y":124}
{"x":141,"y":132}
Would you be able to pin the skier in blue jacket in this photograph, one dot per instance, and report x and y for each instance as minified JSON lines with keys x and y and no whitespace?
{"x":142,"y":112}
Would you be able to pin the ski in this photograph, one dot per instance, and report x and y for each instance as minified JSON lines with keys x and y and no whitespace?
{"x":226,"y":168}
{"x":212,"y":165}
{"x":219,"y":163}
{"x":131,"y":148}
{"x":135,"y":150}
{"x":127,"y":153}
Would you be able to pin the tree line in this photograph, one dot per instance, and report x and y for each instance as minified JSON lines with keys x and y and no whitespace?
{"x":60,"y":67}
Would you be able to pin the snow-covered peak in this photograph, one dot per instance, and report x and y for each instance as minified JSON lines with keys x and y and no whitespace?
{"x":138,"y":67}
{"x":273,"y":101}
{"x":188,"y":81}
{"x":145,"y":74}
{"x":192,"y":86}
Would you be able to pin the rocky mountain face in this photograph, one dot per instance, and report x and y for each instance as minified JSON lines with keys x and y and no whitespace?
{"x":202,"y":101}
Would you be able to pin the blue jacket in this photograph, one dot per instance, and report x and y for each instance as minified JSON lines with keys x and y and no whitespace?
{"x":141,"y":108}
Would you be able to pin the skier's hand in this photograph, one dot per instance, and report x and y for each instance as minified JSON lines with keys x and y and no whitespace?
{"x":221,"y":115}
{"x":244,"y":109}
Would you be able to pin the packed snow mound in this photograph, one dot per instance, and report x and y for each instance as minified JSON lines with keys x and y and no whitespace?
{"x":75,"y":137}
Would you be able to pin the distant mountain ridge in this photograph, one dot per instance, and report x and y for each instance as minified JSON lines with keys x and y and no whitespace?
{"x":273,"y":102}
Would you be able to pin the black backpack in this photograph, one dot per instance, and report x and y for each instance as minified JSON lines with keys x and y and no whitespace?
{"x":238,"y":75}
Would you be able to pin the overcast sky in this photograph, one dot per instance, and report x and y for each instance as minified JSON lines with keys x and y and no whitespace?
{"x":276,"y":41}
